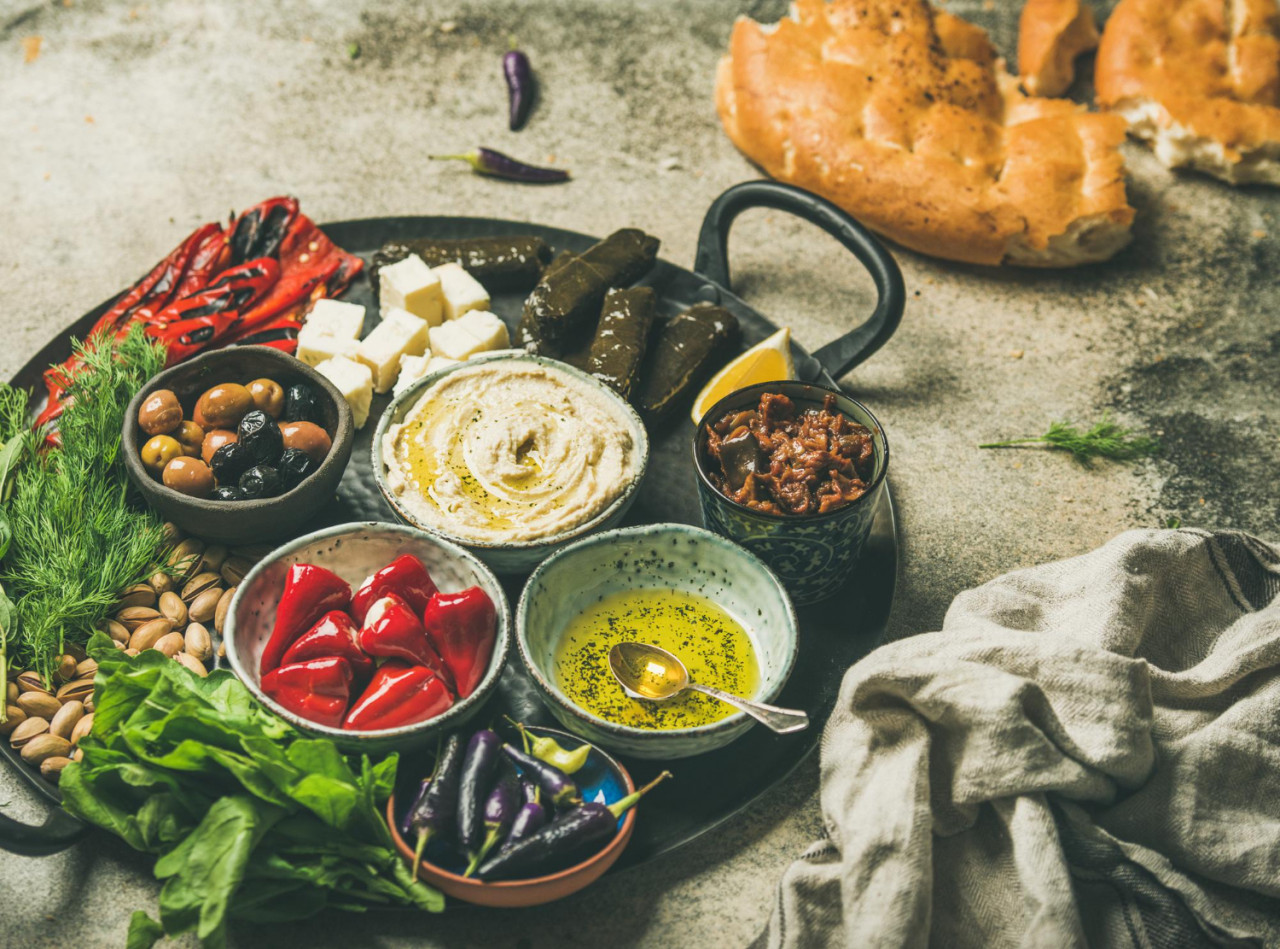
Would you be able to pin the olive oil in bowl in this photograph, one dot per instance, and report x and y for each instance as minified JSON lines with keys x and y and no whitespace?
{"x":712,"y":644}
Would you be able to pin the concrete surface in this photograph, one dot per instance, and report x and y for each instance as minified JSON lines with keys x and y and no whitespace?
{"x":137,"y":122}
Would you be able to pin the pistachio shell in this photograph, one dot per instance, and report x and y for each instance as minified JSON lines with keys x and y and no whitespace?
{"x":170,"y":645}
{"x":224,"y":606}
{"x":30,"y":681}
{"x":173,"y":609}
{"x":199,"y":644}
{"x":76,"y":691}
{"x":76,"y":651}
{"x":140,"y":594}
{"x":86,"y":669}
{"x":51,"y":767}
{"x":77,"y":754}
{"x":192,"y":663}
{"x":13,"y":717}
{"x":117,"y":631}
{"x":148,"y":634}
{"x":204,"y":606}
{"x":11,"y":692}
{"x":38,"y":704}
{"x":185,"y":557}
{"x":131,"y":652}
{"x":199,"y":583}
{"x":82,"y":728}
{"x":65,"y":721}
{"x":134,"y":616}
{"x":28,"y":730}
{"x":161,"y":582}
{"x":66,"y":668}
{"x":214,"y":557}
{"x":172,"y":533}
{"x":234,"y":569}
{"x":45,"y":746}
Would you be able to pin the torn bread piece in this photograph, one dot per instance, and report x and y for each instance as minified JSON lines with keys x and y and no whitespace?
{"x":1051,"y":35}
{"x":1199,"y":81}
{"x":905,"y":116}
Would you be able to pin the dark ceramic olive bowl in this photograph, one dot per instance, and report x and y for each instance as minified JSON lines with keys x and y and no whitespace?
{"x":813,"y":554}
{"x":242,"y":522}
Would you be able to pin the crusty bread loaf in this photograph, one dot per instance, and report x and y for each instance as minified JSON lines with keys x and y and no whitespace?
{"x":1051,"y":34}
{"x":905,"y":116}
{"x":1200,"y":81}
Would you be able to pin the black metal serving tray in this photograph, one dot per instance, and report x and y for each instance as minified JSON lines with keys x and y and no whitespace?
{"x":834,"y":634}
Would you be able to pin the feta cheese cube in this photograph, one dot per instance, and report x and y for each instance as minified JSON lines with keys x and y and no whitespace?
{"x":334,"y":318}
{"x":399,"y":333}
{"x":315,"y":348}
{"x":411,"y":285}
{"x":476,"y":331}
{"x":354,"y":380}
{"x":462,"y":292}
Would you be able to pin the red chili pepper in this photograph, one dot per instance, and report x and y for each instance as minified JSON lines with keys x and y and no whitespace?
{"x":333,"y":634}
{"x":392,"y":629}
{"x":319,"y":689}
{"x":400,"y":694}
{"x":405,"y":576}
{"x":463,"y":627}
{"x":309,"y":593}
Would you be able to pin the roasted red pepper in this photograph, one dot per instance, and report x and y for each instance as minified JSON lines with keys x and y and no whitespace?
{"x":400,"y":694}
{"x":333,"y":634}
{"x":319,"y":689}
{"x":309,"y":593}
{"x":405,"y":576}
{"x":392,"y":630}
{"x":463,"y":627}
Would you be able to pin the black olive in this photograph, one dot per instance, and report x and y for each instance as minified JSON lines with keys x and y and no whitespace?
{"x":261,"y":437}
{"x":295,"y":464}
{"x":301,"y":405}
{"x":230,"y":461}
{"x":228,"y":492}
{"x":261,"y":481}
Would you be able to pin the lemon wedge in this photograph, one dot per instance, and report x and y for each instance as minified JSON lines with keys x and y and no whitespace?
{"x":767,"y":361}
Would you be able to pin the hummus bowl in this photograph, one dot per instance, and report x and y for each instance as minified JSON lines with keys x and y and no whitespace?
{"x":670,"y":556}
{"x":511,"y":456}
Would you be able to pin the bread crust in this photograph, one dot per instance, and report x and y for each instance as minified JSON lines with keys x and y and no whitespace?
{"x":1051,"y":34}
{"x":905,"y":117}
{"x":1200,"y":79}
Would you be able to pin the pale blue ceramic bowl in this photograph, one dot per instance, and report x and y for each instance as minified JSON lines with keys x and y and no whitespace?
{"x":655,"y":555}
{"x":517,"y":556}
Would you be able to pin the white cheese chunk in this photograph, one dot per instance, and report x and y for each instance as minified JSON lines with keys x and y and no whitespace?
{"x":354,"y":380}
{"x":400,"y":333}
{"x":335,"y":318}
{"x":413,"y":368}
{"x":462,"y":292}
{"x":477,"y":331}
{"x":411,"y":285}
{"x":314,"y":348}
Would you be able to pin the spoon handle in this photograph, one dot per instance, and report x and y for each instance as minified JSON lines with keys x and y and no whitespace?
{"x":780,"y":720}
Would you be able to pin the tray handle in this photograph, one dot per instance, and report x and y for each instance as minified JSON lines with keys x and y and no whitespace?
{"x":59,"y":831}
{"x":840,"y":355}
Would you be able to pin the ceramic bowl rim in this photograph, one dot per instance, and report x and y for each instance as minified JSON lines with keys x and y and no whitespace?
{"x":778,"y":386}
{"x":497,"y":661}
{"x":623,"y":834}
{"x":640,"y":449}
{"x":729,"y":723}
{"x":131,"y":445}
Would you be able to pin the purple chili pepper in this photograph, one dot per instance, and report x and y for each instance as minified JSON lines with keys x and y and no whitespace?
{"x":515,"y":66}
{"x":488,"y":162}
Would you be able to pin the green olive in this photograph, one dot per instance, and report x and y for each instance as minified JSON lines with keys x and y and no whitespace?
{"x":188,"y":476}
{"x":160,"y":413}
{"x":158,"y":452}
{"x":223,"y":406}
{"x":190,"y":436}
{"x":268,"y":396}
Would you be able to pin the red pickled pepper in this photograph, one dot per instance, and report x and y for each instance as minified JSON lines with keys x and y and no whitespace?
{"x":405,"y":576}
{"x":318,"y":689}
{"x":399,"y":694}
{"x":463,"y":628}
{"x":393,"y":630}
{"x":333,"y":634}
{"x":309,"y":593}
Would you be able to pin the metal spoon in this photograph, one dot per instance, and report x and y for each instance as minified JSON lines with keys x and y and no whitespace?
{"x":652,"y":674}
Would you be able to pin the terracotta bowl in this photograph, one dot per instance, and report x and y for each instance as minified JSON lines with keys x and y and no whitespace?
{"x":602,"y":779}
{"x":242,"y":522}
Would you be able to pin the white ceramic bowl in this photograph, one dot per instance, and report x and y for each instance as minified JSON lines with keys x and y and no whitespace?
{"x":353,"y":552}
{"x":516,"y":556}
{"x":656,"y":555}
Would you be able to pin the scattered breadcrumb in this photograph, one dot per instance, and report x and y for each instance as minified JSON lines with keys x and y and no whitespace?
{"x":31,"y":48}
{"x":1016,"y":353}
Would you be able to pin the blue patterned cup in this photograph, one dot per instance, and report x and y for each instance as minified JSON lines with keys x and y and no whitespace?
{"x":813,"y":554}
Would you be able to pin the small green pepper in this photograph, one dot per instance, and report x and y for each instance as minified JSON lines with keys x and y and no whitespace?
{"x":545,"y":748}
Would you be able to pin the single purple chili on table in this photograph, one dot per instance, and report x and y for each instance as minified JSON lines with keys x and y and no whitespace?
{"x":520,"y":87}
{"x":497,"y":165}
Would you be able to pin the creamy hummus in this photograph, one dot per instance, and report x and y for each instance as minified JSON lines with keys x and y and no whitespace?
{"x":509,"y":451}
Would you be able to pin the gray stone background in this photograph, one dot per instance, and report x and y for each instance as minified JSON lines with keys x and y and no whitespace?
{"x":137,"y":122}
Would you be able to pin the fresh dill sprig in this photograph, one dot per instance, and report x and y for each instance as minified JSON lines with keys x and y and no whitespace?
{"x":77,"y":540}
{"x":1106,"y":439}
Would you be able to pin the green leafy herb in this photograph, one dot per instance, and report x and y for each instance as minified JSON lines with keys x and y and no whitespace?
{"x":1173,"y":523}
{"x":76,"y":540}
{"x":353,"y":51}
{"x":250,"y":819}
{"x":1106,"y":439}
